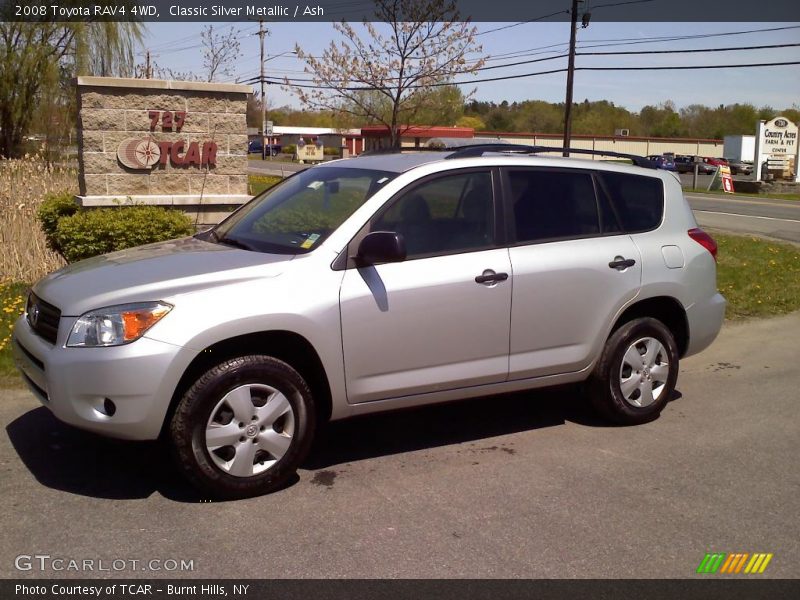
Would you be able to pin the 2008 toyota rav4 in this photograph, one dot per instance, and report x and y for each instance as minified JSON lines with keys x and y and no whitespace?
{"x":371,"y":284}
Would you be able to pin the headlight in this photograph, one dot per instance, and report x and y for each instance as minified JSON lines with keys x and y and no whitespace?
{"x":116,"y":325}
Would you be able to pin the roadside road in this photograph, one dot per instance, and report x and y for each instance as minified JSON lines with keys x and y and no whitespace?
{"x":774,"y":218}
{"x":277,"y":168}
{"x":522,"y":486}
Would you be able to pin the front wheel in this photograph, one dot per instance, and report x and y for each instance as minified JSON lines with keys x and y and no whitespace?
{"x":244,"y":427}
{"x":637,"y":373}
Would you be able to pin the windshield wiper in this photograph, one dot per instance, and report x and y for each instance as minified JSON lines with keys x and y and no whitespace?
{"x":236,"y":243}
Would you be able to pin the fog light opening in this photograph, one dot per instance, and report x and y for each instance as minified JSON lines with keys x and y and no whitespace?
{"x":109,"y":407}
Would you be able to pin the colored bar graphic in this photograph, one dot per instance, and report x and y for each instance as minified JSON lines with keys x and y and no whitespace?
{"x":727,"y":564}
{"x":711,"y":563}
{"x":767,"y":558}
{"x":755,"y":562}
{"x":734,"y":563}
{"x":741,"y":562}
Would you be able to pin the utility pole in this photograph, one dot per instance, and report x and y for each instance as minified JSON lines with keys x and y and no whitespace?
{"x":147,"y":72}
{"x":261,"y":33}
{"x":570,"y":77}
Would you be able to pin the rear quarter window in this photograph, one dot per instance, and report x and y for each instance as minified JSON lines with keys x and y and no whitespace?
{"x":638,"y":200}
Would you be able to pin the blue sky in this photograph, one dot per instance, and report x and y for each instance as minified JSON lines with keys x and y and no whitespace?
{"x":176,"y":45}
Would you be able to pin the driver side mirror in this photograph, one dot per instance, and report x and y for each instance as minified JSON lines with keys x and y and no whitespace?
{"x":381,"y":247}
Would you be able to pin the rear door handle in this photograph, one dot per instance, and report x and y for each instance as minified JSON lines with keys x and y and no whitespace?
{"x":491,"y":277}
{"x":621,"y":263}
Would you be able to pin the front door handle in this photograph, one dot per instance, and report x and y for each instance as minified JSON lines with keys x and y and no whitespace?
{"x":621,"y":263}
{"x":491,"y":277}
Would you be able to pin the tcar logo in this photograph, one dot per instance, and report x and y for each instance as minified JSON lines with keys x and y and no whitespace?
{"x":136,"y":153}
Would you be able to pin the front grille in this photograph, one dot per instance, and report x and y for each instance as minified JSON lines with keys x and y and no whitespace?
{"x":43,"y":318}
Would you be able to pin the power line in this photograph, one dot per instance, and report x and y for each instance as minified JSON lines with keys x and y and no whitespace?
{"x":534,"y":74}
{"x":627,"y":52}
{"x":599,"y":43}
{"x":684,"y":51}
{"x":620,"y":3}
{"x":688,"y":67}
{"x":159,"y":49}
{"x":523,"y":62}
{"x":654,"y":40}
{"x":554,"y":14}
{"x":542,"y":18}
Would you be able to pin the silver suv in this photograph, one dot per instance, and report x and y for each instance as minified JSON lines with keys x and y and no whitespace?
{"x":372,"y":284}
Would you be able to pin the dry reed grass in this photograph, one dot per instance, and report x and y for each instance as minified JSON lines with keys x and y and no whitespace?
{"x":24,"y":183}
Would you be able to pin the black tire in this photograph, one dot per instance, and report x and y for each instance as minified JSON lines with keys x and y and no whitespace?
{"x":192,"y":416}
{"x":604,"y":386}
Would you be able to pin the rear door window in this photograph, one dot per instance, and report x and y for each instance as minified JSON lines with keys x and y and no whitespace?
{"x":639,"y":200}
{"x":550,"y":205}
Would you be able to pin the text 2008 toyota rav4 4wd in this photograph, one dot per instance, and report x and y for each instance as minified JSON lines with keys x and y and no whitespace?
{"x":371,"y":284}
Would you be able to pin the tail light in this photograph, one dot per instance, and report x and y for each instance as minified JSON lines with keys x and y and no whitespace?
{"x":705,"y":240}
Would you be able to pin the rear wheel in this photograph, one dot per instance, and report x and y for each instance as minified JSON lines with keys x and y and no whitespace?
{"x":636,"y":375}
{"x":244,"y":427}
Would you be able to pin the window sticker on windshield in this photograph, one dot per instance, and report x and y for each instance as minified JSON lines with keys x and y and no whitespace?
{"x":382,"y":180}
{"x":310,"y":241}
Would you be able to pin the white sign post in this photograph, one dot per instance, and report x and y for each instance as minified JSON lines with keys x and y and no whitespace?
{"x":777,"y":145}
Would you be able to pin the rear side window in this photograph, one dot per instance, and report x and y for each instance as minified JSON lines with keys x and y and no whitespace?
{"x":553,"y":204}
{"x":639,"y":200}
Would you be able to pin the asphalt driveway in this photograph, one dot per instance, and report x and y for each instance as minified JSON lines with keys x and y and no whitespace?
{"x":526,"y":485}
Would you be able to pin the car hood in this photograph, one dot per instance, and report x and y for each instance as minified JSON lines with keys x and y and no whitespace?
{"x":153,"y":272}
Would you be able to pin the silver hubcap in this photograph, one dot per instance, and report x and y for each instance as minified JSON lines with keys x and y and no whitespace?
{"x":249,"y":430}
{"x":644,"y":372}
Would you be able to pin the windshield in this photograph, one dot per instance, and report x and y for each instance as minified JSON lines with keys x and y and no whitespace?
{"x":298,"y":214}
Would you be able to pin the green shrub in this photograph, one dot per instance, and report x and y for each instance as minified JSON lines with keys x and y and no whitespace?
{"x":51,"y":210}
{"x":331,"y":151}
{"x":103,"y":230}
{"x":290,"y":149}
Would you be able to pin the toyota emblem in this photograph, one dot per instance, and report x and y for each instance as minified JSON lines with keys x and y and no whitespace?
{"x":33,"y":314}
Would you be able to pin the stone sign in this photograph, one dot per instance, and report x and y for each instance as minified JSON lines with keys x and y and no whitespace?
{"x":149,"y":141}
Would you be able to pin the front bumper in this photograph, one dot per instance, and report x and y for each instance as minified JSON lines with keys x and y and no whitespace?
{"x":76,"y":383}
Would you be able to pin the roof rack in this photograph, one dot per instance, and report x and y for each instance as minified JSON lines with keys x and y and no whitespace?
{"x":406,"y":149}
{"x":471,"y":151}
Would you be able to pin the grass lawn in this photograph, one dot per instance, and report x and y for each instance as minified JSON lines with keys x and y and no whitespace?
{"x":759,"y":278}
{"x":258,"y":183}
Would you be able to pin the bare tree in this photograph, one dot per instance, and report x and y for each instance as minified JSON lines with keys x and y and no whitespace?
{"x":387,"y":76}
{"x":159,"y":72}
{"x":220,"y":52}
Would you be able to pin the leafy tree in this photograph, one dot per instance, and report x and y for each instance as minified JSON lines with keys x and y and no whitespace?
{"x":106,"y":48}
{"x":387,"y":75}
{"x":38,"y":59}
{"x":440,"y":106}
{"x":539,"y":116}
{"x":471,"y":121}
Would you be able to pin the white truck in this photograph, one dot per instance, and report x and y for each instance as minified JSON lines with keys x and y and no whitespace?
{"x":739,"y":147}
